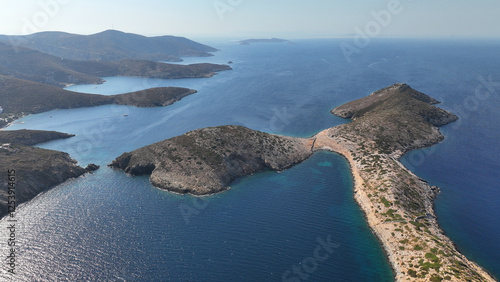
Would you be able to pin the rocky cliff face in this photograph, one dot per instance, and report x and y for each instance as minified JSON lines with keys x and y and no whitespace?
{"x":36,"y":170}
{"x":206,"y":161}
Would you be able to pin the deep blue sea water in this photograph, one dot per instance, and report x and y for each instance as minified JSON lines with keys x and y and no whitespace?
{"x":109,"y":226}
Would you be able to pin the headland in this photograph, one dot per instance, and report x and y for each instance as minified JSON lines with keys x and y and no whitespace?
{"x":385,"y":125}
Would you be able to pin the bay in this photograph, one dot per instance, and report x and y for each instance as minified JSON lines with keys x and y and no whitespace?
{"x":111,"y":226}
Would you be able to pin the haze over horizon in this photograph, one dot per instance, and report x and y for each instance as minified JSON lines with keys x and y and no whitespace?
{"x":292,"y":19}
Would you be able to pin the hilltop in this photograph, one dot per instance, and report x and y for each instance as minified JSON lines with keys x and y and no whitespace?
{"x":397,"y":119}
{"x":111,"y":45}
{"x":206,"y":161}
{"x":36,"y":66}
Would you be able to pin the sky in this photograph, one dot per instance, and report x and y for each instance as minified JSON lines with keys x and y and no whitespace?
{"x":292,"y":19}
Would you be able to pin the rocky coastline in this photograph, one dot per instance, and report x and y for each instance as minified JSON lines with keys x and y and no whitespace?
{"x":398,"y":205}
{"x":206,"y":161}
{"x":35,"y":170}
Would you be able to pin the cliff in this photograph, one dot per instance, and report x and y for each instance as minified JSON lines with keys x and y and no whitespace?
{"x":206,"y":161}
{"x":36,"y":170}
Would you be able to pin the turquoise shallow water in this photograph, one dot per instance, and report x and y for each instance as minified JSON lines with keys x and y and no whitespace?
{"x":111,"y":226}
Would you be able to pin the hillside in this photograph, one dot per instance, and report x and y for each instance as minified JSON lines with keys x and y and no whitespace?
{"x":36,"y":66}
{"x":397,"y":118}
{"x":25,"y":97}
{"x":30,"y":137}
{"x":35,"y":169}
{"x":111,"y":45}
{"x":399,"y":206}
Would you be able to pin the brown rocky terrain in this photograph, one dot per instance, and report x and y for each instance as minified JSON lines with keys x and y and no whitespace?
{"x":206,"y":161}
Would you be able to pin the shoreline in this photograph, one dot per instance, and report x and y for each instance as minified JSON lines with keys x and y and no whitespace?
{"x":402,"y":261}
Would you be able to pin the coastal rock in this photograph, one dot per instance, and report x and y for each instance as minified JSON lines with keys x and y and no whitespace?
{"x":34,"y":170}
{"x":92,"y":167}
{"x":206,"y":161}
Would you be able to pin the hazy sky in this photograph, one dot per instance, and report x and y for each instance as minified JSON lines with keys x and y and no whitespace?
{"x":244,"y":18}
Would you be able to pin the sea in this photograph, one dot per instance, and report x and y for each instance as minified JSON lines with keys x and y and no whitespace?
{"x":298,"y":225}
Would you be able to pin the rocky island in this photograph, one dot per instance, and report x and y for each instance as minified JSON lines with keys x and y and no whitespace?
{"x":206,"y":161}
{"x":21,"y":97}
{"x":263,"y":40}
{"x":398,"y":204}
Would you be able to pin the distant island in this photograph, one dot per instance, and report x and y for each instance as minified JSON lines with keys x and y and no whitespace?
{"x":252,"y":41}
{"x":386,"y":124}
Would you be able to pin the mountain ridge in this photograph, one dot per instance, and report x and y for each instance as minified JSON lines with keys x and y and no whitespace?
{"x":110,"y":45}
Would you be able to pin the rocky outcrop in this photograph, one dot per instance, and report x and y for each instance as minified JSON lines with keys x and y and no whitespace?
{"x":206,"y":161}
{"x":92,"y":167}
{"x":397,"y":119}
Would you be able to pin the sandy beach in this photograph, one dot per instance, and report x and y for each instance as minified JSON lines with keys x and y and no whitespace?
{"x":408,"y":249}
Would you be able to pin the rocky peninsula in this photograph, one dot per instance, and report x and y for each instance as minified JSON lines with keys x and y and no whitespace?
{"x":35,"y":169}
{"x":20,"y":97}
{"x":385,"y":125}
{"x":262,"y":40}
